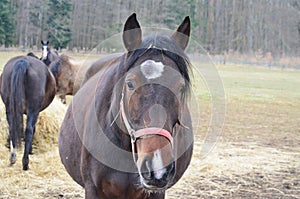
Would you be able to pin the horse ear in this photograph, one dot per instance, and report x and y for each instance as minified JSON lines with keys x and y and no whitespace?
{"x":47,"y":42}
{"x":42,"y":42}
{"x":132,"y":33}
{"x":182,"y":34}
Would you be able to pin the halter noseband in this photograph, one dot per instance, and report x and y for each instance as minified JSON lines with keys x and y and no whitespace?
{"x":134,"y":135}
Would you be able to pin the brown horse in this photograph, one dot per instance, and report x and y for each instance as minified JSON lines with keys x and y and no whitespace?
{"x":27,"y":87}
{"x":128,"y":132}
{"x":71,"y":74}
{"x":65,"y":70}
{"x":68,"y":74}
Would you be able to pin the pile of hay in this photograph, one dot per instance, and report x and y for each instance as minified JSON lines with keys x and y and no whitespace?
{"x":46,"y":177}
{"x":47,"y":128}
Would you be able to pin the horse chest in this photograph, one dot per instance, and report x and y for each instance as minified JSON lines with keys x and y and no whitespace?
{"x":120,"y":186}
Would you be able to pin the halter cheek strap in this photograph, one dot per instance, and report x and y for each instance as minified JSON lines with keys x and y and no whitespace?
{"x":134,"y":135}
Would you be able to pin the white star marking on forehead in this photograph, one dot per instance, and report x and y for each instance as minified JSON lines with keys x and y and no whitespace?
{"x":152,"y":69}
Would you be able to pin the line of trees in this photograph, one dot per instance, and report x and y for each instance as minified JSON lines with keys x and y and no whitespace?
{"x":243,"y":26}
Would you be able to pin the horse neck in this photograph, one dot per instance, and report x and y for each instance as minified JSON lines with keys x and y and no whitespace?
{"x":108,"y":101}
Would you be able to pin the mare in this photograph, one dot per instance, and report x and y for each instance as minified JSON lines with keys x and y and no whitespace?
{"x":128,"y":132}
{"x":27,"y":87}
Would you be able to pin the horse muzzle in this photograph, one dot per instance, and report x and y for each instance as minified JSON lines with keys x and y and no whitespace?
{"x":155,"y":160}
{"x":156,"y":179}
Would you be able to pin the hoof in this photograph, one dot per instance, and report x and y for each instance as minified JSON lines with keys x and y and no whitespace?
{"x":25,"y":167}
{"x":25,"y":163}
{"x":12,"y":158}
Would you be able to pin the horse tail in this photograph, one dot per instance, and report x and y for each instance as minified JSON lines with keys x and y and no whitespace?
{"x":16,"y":101}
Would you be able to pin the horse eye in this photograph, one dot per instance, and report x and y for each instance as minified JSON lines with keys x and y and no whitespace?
{"x":130,"y":85}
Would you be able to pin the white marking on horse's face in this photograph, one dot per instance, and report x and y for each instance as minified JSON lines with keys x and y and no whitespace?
{"x":152,"y":69}
{"x":44,"y":52}
{"x":157,"y":165}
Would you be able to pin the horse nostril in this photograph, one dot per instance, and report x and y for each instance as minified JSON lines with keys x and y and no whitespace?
{"x":171,"y":169}
{"x":146,"y":169}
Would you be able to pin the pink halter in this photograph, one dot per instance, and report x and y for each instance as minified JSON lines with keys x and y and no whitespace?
{"x":142,"y":132}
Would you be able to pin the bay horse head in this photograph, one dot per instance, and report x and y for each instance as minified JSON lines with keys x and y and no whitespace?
{"x":156,"y":82}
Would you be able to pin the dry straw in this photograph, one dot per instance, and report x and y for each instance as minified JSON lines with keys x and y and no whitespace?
{"x":46,"y":177}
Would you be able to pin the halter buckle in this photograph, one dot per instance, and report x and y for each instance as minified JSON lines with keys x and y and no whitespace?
{"x":132,"y":136}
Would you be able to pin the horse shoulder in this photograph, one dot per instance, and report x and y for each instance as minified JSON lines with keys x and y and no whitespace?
{"x":70,"y":147}
{"x":73,"y":135}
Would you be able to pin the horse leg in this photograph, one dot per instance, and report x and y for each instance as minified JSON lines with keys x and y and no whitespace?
{"x":30,"y":150}
{"x":90,"y":190}
{"x":89,"y":186}
{"x":8,"y":119}
{"x":30,"y":126}
{"x":13,"y":156}
{"x":63,"y":99}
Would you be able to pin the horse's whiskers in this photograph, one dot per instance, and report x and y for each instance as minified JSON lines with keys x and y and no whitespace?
{"x":148,"y":192}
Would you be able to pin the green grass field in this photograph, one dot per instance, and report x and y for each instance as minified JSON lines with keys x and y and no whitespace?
{"x":256,"y":156}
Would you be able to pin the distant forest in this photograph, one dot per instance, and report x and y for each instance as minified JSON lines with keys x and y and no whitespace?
{"x":220,"y":26}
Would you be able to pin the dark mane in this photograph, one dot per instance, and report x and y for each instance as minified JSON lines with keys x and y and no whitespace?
{"x":159,"y":44}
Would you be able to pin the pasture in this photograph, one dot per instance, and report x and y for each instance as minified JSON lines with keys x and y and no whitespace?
{"x":257,"y":155}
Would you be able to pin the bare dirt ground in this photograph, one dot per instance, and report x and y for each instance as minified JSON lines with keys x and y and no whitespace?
{"x":249,"y":161}
{"x":257,"y":156}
